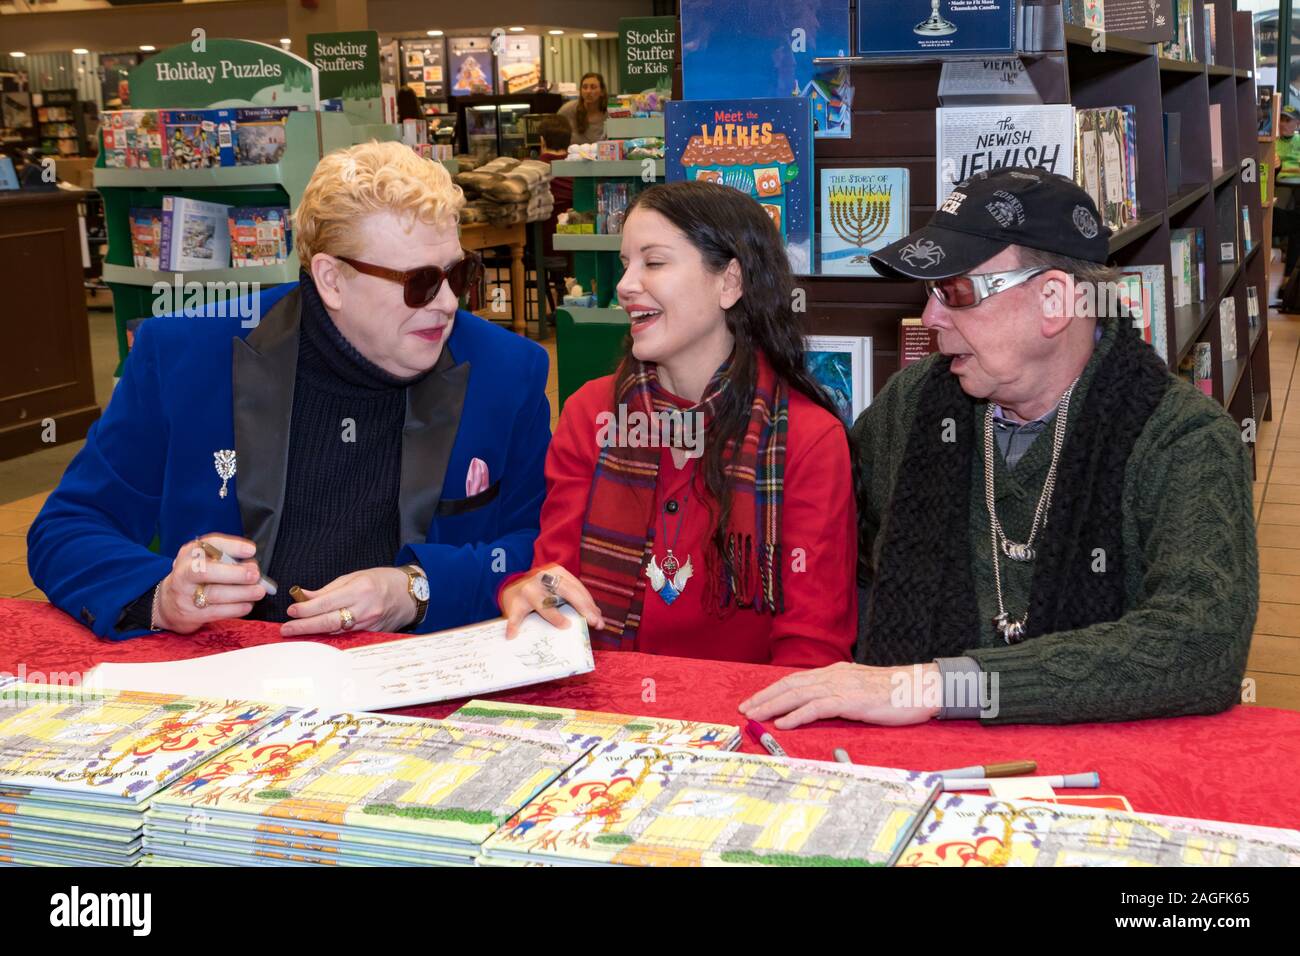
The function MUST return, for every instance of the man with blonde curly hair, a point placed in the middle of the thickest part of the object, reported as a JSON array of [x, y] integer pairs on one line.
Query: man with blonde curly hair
[[358, 454]]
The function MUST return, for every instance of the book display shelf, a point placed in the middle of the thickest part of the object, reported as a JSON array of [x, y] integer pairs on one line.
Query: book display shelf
[[894, 125], [309, 134]]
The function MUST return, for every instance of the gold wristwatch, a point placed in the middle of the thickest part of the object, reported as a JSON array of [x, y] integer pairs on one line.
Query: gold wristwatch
[[417, 585]]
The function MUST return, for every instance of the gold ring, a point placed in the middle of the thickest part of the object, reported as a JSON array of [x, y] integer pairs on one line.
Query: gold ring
[[346, 620], [550, 601], [200, 597]]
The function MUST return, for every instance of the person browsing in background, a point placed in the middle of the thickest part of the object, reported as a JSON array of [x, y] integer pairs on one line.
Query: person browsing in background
[[408, 105], [356, 443], [1286, 218], [719, 523], [586, 115], [555, 134], [1048, 516]]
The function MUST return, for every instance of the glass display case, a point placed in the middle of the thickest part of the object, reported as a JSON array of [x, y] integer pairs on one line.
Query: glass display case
[[492, 126]]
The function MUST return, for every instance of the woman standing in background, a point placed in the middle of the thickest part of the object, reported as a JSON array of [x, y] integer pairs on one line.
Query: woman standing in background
[[587, 113]]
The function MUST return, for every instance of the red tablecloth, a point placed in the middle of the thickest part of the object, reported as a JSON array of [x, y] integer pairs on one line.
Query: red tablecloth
[[1242, 766]]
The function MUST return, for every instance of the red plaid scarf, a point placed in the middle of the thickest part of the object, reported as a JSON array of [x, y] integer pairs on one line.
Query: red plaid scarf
[[618, 530]]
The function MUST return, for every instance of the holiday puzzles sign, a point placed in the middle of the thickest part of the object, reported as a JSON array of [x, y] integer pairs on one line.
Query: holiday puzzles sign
[[224, 73]]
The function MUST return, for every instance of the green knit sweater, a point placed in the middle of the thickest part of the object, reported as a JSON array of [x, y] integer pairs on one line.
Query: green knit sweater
[[1190, 561]]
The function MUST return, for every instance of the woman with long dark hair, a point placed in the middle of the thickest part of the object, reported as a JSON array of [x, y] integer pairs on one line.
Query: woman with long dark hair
[[699, 501], [587, 113]]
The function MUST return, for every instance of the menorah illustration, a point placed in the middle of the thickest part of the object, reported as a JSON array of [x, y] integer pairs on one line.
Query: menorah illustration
[[934, 25], [859, 215]]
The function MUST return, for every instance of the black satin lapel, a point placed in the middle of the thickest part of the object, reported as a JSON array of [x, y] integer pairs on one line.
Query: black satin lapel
[[265, 365], [433, 411]]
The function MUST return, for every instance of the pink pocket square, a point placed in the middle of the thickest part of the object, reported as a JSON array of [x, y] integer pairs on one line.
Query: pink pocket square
[[476, 479]]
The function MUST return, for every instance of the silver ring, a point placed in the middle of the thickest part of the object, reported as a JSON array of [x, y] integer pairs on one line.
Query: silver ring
[[550, 582]]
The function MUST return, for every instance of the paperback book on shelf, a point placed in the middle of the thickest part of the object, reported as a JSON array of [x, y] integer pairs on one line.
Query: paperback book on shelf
[[642, 805], [920, 27], [976, 139], [195, 235], [915, 341], [761, 147], [199, 139], [1228, 328], [259, 235], [862, 210], [841, 365], [1142, 302], [78, 768], [260, 135], [1187, 255], [1106, 162], [1197, 367], [146, 237]]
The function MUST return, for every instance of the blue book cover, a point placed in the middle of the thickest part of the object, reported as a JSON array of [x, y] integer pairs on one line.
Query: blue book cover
[[936, 27], [738, 48], [862, 210], [761, 147]]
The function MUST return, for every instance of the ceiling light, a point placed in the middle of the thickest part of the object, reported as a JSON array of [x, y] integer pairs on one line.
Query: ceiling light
[[591, 36], [516, 29], [80, 51], [556, 33], [435, 33], [146, 48], [17, 54]]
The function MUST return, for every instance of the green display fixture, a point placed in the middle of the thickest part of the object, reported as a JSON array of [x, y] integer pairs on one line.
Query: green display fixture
[[309, 135], [595, 257], [589, 343]]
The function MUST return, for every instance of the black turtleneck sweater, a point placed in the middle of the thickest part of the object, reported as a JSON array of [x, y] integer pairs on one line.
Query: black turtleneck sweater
[[340, 511]]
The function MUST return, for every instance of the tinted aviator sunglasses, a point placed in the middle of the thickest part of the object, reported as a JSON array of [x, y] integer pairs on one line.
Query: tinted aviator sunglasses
[[968, 291], [420, 286]]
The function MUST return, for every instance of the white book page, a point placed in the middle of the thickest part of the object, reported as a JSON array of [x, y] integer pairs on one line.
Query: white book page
[[462, 662], [295, 673], [468, 661]]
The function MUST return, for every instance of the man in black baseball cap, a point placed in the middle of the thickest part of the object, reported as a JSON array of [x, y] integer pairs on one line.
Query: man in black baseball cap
[[1053, 527]]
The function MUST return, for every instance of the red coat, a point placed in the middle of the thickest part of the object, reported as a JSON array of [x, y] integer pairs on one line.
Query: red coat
[[820, 621]]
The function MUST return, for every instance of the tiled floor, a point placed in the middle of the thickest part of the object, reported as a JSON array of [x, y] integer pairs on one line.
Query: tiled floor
[[1275, 652]]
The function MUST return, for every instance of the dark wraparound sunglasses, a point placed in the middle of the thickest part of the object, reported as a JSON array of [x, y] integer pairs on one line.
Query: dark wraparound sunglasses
[[420, 286]]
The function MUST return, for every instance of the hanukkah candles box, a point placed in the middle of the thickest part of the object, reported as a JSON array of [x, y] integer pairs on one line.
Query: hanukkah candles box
[[861, 211], [936, 27], [762, 147]]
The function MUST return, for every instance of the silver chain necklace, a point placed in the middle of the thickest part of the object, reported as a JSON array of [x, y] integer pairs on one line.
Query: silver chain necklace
[[1013, 629]]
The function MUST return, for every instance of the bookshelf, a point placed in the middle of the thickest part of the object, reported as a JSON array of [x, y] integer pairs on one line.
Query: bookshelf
[[894, 125]]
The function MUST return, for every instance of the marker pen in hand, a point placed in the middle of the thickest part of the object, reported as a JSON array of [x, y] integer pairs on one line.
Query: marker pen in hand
[[216, 554], [763, 737]]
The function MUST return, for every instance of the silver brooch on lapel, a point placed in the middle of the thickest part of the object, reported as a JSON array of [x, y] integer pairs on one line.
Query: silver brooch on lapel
[[225, 462]]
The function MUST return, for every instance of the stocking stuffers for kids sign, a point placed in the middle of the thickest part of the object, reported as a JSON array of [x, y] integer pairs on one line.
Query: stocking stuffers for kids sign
[[761, 147]]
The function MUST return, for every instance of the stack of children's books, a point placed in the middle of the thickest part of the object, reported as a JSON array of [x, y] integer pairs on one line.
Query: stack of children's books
[[79, 768], [333, 788], [639, 804]]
